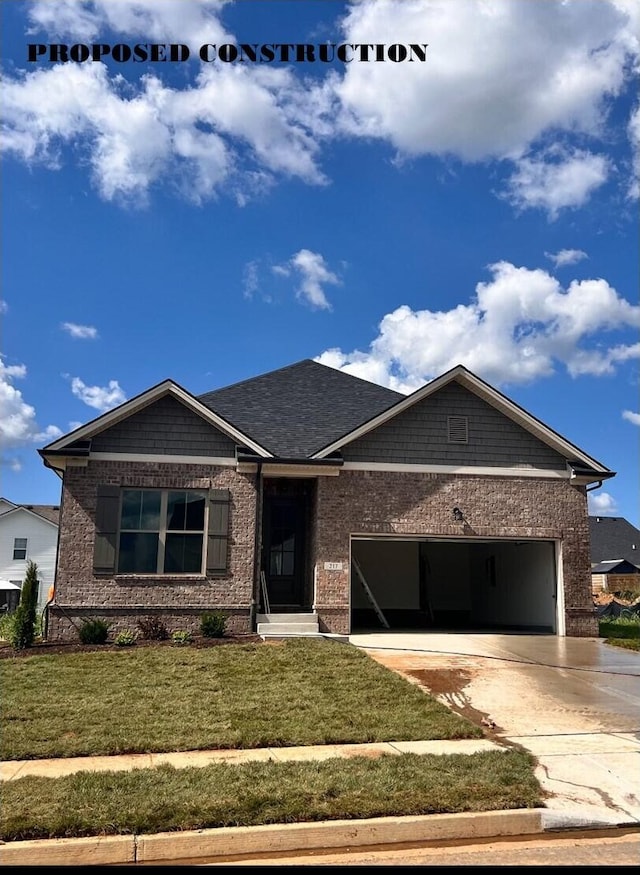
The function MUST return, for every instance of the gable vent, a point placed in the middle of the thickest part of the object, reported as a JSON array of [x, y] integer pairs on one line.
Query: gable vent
[[457, 429]]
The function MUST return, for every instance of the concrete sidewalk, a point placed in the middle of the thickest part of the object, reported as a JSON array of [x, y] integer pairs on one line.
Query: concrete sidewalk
[[56, 768]]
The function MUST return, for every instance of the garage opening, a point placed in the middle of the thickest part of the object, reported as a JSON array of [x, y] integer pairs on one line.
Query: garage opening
[[453, 585]]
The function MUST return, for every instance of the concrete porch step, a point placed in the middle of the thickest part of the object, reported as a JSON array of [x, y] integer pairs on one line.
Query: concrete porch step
[[288, 624]]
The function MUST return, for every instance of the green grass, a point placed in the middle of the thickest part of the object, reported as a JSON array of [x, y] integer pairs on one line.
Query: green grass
[[156, 699], [621, 627], [165, 799], [625, 643]]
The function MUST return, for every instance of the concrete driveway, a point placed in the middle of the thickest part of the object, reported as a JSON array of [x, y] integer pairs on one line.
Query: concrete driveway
[[572, 702]]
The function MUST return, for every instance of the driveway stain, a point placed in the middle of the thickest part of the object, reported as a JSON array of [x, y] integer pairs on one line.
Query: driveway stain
[[448, 685]]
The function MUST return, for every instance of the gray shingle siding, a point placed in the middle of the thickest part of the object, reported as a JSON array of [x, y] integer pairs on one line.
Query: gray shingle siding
[[419, 436], [165, 427]]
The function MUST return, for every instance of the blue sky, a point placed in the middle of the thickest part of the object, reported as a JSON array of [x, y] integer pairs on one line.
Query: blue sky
[[208, 221]]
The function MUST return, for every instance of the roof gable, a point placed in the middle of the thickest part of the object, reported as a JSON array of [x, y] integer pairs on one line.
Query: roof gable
[[45, 513], [134, 405], [454, 427], [295, 410], [492, 396]]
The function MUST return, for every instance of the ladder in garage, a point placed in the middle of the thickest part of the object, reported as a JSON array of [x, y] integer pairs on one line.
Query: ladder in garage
[[369, 594]]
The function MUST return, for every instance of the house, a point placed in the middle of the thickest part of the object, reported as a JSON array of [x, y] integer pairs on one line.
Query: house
[[313, 498], [27, 532], [615, 554]]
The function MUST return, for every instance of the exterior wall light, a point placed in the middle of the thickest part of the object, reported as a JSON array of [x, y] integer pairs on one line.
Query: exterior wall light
[[457, 514]]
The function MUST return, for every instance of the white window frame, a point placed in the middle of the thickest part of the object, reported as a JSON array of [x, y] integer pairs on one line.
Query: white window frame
[[16, 548], [163, 531]]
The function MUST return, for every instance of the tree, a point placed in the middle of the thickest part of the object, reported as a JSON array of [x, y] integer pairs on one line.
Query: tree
[[23, 631]]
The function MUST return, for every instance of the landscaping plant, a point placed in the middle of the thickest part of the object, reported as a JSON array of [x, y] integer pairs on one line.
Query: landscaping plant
[[22, 630], [94, 631], [212, 624], [153, 629]]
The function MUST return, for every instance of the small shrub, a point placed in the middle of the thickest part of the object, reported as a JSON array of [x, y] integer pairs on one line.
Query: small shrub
[[212, 624], [181, 637], [7, 622], [23, 629], [94, 631], [153, 629], [125, 638]]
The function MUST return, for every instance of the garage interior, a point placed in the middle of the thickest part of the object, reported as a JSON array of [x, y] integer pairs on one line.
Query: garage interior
[[452, 585]]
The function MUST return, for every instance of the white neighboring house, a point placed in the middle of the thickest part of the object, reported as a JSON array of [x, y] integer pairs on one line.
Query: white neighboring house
[[27, 531]]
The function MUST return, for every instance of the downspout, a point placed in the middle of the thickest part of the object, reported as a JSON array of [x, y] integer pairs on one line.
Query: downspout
[[51, 601], [255, 601]]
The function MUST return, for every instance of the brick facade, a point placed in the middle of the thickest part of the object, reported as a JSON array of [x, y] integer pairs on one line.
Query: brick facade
[[122, 599], [403, 503], [355, 502]]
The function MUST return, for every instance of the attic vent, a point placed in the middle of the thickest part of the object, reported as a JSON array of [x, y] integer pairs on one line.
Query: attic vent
[[457, 429]]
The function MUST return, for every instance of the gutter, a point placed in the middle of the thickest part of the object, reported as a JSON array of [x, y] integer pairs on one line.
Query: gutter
[[283, 460]]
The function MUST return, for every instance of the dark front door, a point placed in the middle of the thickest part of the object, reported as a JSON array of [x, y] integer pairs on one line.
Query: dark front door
[[284, 546]]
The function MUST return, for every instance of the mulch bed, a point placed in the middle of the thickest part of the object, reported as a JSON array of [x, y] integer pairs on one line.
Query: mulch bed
[[44, 648]]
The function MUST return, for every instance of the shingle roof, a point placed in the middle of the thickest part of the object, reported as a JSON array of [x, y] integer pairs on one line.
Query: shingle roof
[[613, 538], [50, 512], [298, 409], [615, 566]]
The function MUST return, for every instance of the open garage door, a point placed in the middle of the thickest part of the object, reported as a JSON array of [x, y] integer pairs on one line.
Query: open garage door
[[454, 585]]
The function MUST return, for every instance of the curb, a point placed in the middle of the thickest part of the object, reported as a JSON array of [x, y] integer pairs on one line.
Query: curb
[[199, 845]]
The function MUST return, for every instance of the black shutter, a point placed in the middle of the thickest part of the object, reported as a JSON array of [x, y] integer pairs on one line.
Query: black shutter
[[107, 524], [218, 535]]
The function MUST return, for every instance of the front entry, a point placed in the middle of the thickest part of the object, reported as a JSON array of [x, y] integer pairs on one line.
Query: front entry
[[284, 544]]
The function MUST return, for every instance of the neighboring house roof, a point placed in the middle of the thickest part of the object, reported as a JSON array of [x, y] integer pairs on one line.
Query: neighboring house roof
[[614, 538], [48, 512], [615, 566], [296, 410]]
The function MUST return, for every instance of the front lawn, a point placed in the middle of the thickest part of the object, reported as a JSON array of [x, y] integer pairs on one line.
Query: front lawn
[[156, 699], [165, 799]]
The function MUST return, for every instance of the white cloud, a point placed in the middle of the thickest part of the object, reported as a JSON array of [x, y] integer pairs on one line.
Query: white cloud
[[498, 74], [602, 503], [18, 425], [236, 128], [165, 22], [250, 279], [313, 274], [566, 256], [519, 326], [630, 416], [3, 306], [483, 93], [101, 398], [634, 137], [83, 332], [557, 180]]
